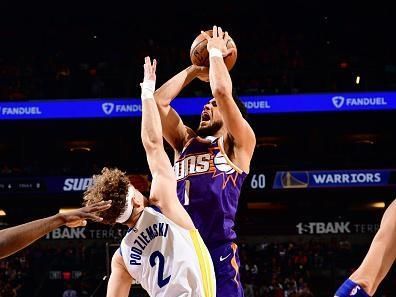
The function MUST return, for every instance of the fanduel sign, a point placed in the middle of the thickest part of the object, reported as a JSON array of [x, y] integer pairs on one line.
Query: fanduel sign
[[337, 178], [131, 107], [340, 101], [110, 107], [21, 110]]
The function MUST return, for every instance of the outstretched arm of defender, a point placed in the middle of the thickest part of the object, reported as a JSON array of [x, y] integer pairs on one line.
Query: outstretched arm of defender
[[163, 187], [16, 238], [221, 85]]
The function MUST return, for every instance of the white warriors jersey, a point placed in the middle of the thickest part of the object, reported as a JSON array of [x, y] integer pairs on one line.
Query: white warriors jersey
[[166, 259]]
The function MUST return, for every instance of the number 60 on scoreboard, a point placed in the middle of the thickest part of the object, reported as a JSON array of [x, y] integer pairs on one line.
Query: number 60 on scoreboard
[[257, 181]]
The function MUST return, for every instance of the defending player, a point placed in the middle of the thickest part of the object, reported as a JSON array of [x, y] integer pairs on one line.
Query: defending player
[[162, 251]]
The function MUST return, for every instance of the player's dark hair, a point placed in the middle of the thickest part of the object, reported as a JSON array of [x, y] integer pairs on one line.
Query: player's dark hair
[[111, 184]]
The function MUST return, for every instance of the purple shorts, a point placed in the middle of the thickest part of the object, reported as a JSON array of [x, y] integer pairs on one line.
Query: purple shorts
[[226, 264]]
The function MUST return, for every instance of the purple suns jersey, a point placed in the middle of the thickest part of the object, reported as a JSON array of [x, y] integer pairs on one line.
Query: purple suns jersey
[[208, 186]]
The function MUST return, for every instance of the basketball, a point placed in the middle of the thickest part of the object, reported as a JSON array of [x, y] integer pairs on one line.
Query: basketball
[[200, 56]]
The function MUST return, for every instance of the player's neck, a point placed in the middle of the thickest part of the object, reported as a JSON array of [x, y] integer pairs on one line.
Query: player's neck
[[137, 212], [222, 131]]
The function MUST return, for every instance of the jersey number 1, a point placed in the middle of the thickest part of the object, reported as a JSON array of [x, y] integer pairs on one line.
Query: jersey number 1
[[161, 262], [187, 192]]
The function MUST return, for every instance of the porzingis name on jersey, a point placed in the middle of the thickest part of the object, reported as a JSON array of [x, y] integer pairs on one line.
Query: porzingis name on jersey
[[144, 238]]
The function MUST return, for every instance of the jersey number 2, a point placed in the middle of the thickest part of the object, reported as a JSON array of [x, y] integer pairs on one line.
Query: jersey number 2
[[161, 262]]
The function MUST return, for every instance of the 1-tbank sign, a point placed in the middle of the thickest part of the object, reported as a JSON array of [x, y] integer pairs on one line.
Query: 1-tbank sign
[[326, 179], [342, 227]]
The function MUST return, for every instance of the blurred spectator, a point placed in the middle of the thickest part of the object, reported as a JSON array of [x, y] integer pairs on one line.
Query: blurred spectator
[[69, 291]]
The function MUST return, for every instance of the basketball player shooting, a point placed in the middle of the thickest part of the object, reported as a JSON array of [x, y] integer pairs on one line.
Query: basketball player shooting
[[162, 250], [365, 280], [213, 161]]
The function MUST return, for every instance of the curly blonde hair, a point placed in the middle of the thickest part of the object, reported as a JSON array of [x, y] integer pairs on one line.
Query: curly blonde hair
[[111, 184]]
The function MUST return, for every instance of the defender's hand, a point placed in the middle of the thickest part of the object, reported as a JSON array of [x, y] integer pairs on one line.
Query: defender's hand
[[79, 217], [148, 84]]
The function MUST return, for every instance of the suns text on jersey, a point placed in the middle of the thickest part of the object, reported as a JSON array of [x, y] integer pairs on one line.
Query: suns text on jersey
[[144, 238], [192, 164]]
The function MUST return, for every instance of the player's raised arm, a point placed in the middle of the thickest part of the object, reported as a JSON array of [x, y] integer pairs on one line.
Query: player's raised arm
[[379, 259], [174, 130], [163, 187], [120, 280], [221, 85]]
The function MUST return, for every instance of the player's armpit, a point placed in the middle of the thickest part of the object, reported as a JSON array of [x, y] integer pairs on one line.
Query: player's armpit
[[240, 152], [238, 128]]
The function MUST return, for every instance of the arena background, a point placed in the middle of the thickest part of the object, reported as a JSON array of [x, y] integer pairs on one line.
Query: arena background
[[298, 236]]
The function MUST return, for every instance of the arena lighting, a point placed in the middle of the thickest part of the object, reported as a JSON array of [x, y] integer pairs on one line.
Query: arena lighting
[[64, 209], [357, 81], [378, 205], [80, 146], [80, 149], [265, 205], [2, 213]]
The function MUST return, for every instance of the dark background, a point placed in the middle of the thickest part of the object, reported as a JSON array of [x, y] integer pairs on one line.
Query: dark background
[[94, 50]]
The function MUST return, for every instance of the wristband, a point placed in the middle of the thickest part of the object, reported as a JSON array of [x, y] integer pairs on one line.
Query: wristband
[[147, 95], [148, 88], [215, 52]]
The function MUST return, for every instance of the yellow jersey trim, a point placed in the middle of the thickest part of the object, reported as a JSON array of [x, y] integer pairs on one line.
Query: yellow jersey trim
[[205, 264]]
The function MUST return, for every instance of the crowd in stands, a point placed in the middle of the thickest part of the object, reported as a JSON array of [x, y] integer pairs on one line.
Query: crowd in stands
[[282, 67], [95, 57], [313, 267]]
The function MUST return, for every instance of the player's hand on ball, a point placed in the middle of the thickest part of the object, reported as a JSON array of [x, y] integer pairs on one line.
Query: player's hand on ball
[[202, 73], [219, 41]]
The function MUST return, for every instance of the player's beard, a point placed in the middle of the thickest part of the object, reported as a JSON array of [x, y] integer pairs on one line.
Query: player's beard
[[209, 130]]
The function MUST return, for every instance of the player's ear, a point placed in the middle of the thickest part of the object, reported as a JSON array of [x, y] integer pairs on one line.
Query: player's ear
[[138, 199]]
